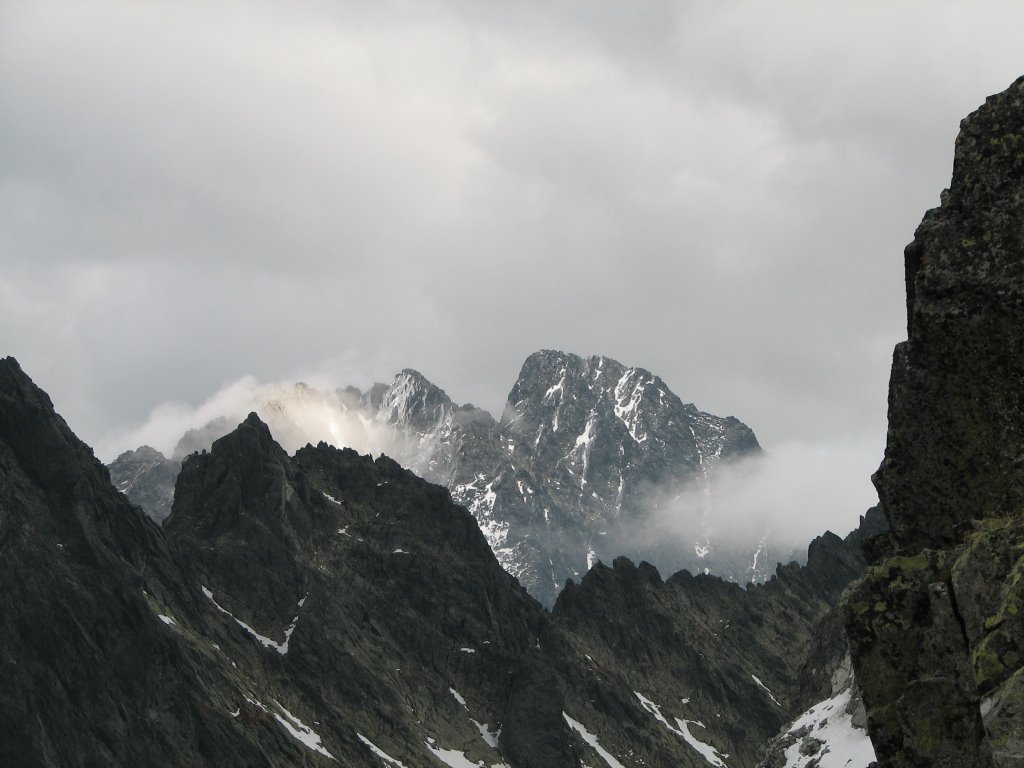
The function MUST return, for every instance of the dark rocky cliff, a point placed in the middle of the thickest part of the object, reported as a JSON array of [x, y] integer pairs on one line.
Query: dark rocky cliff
[[331, 608], [936, 627], [98, 666]]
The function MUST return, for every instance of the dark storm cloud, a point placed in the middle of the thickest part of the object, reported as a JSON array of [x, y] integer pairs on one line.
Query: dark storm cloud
[[192, 193]]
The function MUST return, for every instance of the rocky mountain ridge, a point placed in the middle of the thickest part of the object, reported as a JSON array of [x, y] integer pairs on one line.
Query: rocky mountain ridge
[[590, 459], [327, 607]]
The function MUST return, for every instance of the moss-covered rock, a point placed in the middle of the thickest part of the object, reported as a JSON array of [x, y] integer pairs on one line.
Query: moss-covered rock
[[913, 664]]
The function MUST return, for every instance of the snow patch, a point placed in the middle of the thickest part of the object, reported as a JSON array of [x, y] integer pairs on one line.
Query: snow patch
[[629, 391], [591, 739], [764, 688], [490, 737], [168, 620], [843, 745], [281, 648], [330, 498], [300, 731], [458, 697], [708, 752], [380, 752], [682, 730], [451, 757]]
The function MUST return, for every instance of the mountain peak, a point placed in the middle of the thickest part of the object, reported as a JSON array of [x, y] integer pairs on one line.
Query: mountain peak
[[414, 401], [38, 438], [253, 420], [254, 461], [251, 436]]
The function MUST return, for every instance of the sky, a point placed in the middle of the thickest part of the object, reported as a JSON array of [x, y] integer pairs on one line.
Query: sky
[[194, 195]]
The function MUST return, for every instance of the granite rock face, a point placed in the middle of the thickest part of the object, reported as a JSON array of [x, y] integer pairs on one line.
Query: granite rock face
[[935, 628]]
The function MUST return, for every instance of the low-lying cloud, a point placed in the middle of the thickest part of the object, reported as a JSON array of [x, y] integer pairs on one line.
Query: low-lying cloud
[[781, 500], [774, 503], [297, 415]]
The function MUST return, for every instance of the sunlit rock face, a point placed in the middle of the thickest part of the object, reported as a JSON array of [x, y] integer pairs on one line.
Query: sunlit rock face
[[936, 629]]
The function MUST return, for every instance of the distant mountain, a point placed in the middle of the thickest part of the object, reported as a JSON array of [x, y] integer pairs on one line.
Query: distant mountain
[[327, 608], [585, 453], [590, 460], [147, 478]]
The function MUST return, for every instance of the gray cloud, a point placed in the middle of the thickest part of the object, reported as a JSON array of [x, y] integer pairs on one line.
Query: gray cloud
[[781, 499], [720, 193]]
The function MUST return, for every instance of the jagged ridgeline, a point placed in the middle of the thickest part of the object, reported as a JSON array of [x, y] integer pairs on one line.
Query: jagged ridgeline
[[327, 608], [589, 460]]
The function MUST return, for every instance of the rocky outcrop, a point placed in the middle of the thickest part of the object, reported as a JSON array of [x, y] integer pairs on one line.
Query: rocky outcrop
[[935, 630]]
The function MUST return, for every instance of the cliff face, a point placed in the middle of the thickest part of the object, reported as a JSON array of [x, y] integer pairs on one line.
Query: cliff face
[[935, 628]]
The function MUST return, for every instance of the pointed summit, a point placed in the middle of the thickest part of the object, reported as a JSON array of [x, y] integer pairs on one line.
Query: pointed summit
[[37, 438], [415, 402]]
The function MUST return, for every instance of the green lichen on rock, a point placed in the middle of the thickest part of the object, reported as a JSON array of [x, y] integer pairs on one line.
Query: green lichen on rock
[[903, 627], [936, 633], [988, 577], [1003, 713]]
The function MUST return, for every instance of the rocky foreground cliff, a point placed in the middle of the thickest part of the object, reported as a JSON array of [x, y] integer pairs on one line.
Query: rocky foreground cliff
[[936, 628]]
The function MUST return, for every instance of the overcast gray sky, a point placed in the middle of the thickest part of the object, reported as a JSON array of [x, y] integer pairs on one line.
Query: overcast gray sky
[[192, 193]]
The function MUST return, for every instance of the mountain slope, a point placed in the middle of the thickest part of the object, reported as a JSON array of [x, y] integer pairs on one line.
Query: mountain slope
[[95, 671], [328, 607]]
